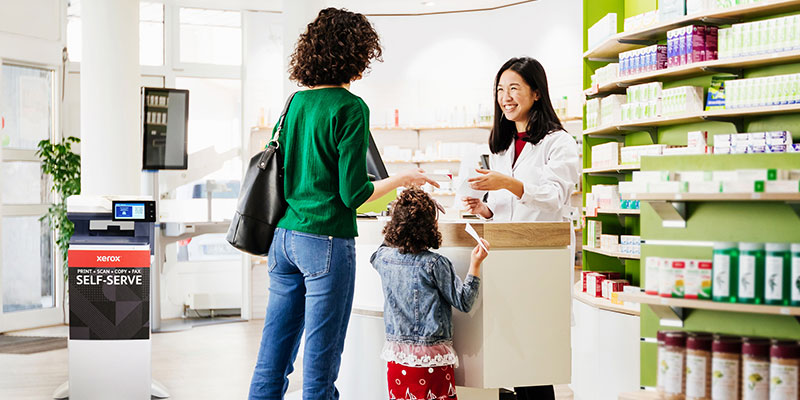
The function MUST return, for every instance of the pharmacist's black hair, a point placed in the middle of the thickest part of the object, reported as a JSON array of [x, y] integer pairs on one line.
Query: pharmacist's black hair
[[542, 119]]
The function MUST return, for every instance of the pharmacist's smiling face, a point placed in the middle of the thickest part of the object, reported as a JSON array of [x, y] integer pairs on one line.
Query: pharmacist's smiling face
[[514, 96]]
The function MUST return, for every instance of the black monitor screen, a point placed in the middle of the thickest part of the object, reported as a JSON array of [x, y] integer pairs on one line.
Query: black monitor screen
[[375, 167], [165, 118]]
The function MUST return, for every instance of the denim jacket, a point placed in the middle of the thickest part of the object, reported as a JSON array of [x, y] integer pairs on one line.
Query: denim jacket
[[419, 290]]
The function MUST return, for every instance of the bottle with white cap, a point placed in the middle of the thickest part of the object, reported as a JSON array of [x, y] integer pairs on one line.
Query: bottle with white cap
[[777, 270]]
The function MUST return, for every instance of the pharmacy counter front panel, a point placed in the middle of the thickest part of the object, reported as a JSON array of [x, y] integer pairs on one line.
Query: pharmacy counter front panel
[[518, 332]]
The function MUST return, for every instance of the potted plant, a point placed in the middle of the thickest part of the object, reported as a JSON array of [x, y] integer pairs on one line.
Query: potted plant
[[64, 167]]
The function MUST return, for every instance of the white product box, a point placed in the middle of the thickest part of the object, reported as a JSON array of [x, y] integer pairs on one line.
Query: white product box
[[632, 155], [607, 196], [782, 186], [633, 187], [668, 187], [605, 155], [665, 277], [705, 187], [761, 174], [651, 273], [611, 109], [723, 176], [696, 139], [738, 187], [609, 242], [694, 176], [653, 176], [723, 140], [603, 29]]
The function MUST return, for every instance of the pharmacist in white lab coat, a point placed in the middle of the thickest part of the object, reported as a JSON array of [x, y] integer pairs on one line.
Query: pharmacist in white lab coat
[[534, 162]]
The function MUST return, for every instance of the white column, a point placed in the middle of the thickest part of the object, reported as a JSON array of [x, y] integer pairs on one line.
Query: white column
[[296, 16], [111, 148]]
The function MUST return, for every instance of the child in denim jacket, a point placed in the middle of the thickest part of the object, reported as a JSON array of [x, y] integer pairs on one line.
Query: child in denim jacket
[[419, 288]]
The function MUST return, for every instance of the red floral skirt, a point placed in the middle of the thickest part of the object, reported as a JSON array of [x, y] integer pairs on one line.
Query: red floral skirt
[[421, 383]]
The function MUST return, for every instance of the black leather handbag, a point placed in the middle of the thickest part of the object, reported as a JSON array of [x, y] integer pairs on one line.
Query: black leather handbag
[[261, 200]]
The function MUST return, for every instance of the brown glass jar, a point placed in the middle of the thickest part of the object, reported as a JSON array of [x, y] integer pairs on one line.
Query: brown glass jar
[[784, 370], [698, 366], [674, 365], [755, 369], [726, 354]]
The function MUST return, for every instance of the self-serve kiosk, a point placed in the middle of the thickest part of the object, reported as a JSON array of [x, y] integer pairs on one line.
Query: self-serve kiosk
[[109, 262]]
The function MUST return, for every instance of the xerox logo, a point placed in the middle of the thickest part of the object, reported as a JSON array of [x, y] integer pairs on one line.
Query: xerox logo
[[108, 258]]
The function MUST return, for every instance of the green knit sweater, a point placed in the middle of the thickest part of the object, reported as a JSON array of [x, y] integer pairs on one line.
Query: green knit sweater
[[325, 139]]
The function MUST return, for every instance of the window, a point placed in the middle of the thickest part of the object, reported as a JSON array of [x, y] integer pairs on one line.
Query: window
[[151, 32], [26, 104], [210, 36]]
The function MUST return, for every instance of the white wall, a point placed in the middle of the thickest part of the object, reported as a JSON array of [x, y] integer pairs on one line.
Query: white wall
[[31, 31], [438, 65]]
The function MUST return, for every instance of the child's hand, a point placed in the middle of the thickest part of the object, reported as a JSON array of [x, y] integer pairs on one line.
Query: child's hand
[[478, 253]]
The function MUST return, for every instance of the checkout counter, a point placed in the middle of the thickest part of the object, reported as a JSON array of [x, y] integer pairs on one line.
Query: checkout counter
[[518, 332]]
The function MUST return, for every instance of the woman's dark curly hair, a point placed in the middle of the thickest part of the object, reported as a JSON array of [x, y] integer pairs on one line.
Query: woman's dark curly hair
[[336, 48], [413, 227]]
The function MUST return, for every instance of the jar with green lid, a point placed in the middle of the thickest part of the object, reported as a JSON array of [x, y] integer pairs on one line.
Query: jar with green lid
[[751, 273], [698, 366], [725, 363], [674, 365], [755, 369], [784, 370], [777, 270], [725, 267], [794, 283]]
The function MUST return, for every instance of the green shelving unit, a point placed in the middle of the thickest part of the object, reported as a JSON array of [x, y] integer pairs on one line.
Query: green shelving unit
[[737, 218]]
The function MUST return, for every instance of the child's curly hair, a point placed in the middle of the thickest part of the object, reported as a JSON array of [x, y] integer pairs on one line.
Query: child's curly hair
[[336, 48], [413, 227]]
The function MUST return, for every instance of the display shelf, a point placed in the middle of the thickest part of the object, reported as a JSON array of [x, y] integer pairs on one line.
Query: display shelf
[[700, 68], [612, 253], [422, 161], [617, 211], [618, 168], [611, 47], [652, 300], [644, 124], [640, 395], [712, 196], [599, 302], [428, 128]]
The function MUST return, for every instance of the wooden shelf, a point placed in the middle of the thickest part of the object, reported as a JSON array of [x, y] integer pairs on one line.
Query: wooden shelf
[[599, 302], [617, 168], [623, 129], [701, 68], [612, 253], [617, 211], [643, 298], [611, 47], [640, 395], [430, 128], [712, 196], [421, 161]]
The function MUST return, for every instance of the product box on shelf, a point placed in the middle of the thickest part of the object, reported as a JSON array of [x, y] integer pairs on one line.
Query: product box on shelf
[[610, 286], [593, 231], [610, 109], [609, 243], [651, 275], [631, 155], [669, 10], [603, 29], [628, 187], [594, 281], [607, 196], [698, 6], [698, 279], [668, 187], [697, 139], [782, 186], [682, 100], [653, 176], [605, 155]]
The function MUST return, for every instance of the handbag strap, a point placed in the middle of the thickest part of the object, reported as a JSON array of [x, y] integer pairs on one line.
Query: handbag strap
[[277, 134]]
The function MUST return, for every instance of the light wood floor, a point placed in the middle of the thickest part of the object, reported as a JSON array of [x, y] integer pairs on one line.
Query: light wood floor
[[209, 362]]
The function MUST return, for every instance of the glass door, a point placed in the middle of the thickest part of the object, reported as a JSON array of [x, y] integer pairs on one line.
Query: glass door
[[30, 285]]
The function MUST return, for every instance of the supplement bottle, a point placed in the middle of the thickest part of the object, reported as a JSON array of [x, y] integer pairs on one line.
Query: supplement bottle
[[751, 273], [725, 269], [674, 366], [784, 370], [725, 367], [698, 366], [777, 270], [755, 369]]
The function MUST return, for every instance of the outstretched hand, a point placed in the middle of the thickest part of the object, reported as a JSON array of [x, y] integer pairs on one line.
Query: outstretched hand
[[488, 180]]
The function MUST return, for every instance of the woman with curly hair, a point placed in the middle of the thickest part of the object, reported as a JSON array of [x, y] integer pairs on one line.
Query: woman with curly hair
[[419, 289], [311, 261]]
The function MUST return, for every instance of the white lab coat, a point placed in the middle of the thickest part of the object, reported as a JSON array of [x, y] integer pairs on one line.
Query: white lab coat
[[549, 172]]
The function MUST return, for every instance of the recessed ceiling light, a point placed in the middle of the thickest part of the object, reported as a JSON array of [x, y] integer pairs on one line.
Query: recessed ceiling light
[[428, 3]]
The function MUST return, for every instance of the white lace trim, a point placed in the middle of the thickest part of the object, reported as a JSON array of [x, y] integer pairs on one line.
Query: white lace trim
[[417, 355]]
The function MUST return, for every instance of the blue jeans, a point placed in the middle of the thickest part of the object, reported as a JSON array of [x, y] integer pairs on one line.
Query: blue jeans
[[311, 286]]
